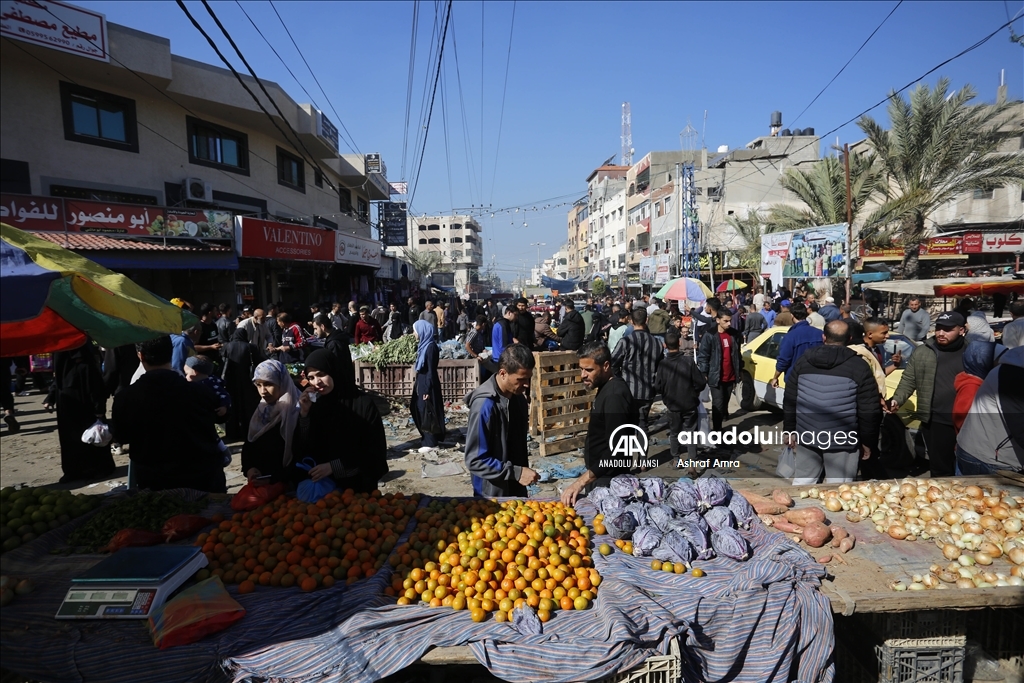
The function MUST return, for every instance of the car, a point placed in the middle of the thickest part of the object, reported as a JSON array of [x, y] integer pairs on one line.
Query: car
[[899, 432]]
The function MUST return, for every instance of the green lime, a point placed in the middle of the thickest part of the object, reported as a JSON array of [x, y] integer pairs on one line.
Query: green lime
[[11, 543], [46, 507], [16, 523], [40, 527], [38, 516]]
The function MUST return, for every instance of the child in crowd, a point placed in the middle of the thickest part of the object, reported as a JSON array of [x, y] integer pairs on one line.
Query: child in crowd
[[199, 369]]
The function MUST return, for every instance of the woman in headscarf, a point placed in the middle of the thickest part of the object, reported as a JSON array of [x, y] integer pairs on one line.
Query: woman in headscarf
[[339, 427], [240, 360], [979, 358], [268, 450], [427, 400], [80, 397]]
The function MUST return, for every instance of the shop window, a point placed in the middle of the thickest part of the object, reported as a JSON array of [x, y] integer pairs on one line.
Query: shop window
[[291, 171], [217, 147], [98, 118]]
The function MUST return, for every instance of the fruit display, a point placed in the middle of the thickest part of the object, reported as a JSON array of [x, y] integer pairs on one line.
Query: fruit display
[[27, 513], [345, 537], [676, 524], [11, 587], [492, 558], [144, 512], [977, 529]]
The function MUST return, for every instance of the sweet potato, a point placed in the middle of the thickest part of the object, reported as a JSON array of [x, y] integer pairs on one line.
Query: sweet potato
[[846, 545], [782, 498], [838, 534], [816, 534], [762, 505], [782, 524], [804, 516], [825, 559]]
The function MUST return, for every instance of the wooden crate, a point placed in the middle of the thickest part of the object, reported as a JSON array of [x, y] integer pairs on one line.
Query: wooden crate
[[559, 402], [458, 378]]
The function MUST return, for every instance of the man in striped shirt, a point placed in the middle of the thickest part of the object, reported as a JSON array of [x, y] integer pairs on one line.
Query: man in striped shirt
[[636, 359]]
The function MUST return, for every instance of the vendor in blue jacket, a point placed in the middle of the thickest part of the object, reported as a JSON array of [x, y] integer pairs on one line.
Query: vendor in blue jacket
[[801, 336], [496, 452]]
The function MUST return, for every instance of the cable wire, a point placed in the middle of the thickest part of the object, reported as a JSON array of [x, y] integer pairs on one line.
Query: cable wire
[[504, 91], [430, 112], [408, 87]]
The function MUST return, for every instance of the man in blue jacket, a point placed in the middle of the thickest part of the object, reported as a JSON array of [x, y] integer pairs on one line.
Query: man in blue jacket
[[801, 336], [497, 455]]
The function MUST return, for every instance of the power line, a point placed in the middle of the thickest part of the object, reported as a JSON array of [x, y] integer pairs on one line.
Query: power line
[[315, 79], [435, 32], [504, 91], [839, 73], [471, 166], [430, 112], [408, 87]]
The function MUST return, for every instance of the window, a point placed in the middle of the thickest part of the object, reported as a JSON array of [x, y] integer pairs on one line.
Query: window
[[423, 240], [423, 226], [434, 226], [213, 145], [632, 245], [362, 208], [657, 210], [71, 192], [770, 348], [434, 240], [291, 171], [345, 201], [982, 194], [657, 247], [456, 226], [318, 178], [668, 245], [643, 240], [98, 118], [622, 236], [456, 239], [668, 204], [714, 193]]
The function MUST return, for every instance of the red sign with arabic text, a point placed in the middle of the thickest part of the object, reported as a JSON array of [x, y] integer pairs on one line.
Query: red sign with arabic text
[[993, 242], [32, 213], [123, 219], [272, 240]]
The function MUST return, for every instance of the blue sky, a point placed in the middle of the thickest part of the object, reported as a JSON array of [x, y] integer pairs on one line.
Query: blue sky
[[572, 65]]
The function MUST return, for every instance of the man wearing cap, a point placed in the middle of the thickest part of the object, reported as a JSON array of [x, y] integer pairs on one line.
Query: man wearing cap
[[931, 372], [785, 316]]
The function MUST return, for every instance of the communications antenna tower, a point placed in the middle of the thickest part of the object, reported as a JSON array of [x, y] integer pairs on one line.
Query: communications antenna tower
[[689, 237], [627, 135]]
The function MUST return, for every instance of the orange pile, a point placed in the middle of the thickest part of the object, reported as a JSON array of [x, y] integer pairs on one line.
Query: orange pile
[[344, 537], [492, 558]]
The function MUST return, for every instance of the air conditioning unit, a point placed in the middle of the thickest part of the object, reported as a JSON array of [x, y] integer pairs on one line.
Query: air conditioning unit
[[197, 190]]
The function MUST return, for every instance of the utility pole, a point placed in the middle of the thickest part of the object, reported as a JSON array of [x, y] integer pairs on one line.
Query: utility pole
[[849, 224]]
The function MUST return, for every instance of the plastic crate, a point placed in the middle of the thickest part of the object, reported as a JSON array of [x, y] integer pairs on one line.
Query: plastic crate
[[922, 660], [657, 669]]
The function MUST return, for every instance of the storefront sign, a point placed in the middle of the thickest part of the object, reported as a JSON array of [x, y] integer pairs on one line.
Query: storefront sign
[[817, 252], [774, 249], [394, 222], [32, 213], [255, 238], [55, 25], [647, 270], [121, 219], [325, 130], [662, 266], [941, 248], [357, 251], [882, 254], [199, 223], [993, 242], [632, 279]]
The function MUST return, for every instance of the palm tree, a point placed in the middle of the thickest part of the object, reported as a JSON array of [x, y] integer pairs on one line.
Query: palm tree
[[822, 189], [425, 262], [939, 145]]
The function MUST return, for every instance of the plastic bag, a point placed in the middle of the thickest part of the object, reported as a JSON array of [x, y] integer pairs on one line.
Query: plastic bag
[[786, 469], [309, 491], [97, 435], [183, 526], [252, 496], [203, 609], [132, 538], [526, 621]]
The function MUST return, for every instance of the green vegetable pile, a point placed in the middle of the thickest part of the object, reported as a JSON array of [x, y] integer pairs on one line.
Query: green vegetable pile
[[29, 512], [401, 351], [146, 511]]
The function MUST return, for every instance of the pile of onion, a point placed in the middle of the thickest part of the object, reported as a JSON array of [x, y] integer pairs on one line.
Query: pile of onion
[[975, 528]]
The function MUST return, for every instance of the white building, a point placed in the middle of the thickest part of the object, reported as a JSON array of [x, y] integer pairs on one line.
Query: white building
[[455, 239]]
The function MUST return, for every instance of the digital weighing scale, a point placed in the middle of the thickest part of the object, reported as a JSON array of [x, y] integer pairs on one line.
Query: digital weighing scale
[[131, 583]]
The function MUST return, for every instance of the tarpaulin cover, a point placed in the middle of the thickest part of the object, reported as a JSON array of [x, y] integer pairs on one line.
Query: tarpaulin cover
[[759, 621]]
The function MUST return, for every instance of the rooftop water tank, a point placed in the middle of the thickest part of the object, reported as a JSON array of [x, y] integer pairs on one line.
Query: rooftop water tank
[[722, 149], [776, 119]]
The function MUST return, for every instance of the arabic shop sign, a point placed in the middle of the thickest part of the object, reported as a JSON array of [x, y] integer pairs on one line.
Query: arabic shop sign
[[357, 251], [941, 248], [993, 242], [255, 238], [394, 219], [200, 223], [32, 213], [881, 253], [121, 219], [62, 27]]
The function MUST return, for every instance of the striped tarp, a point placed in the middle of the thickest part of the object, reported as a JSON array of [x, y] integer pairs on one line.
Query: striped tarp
[[760, 621]]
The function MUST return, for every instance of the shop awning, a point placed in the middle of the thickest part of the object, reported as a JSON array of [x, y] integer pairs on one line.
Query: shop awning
[[930, 287], [126, 254]]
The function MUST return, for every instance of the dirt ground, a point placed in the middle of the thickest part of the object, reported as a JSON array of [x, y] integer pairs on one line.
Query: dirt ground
[[32, 457]]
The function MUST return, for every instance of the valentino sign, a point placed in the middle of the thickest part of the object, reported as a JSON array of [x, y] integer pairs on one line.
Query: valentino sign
[[257, 238]]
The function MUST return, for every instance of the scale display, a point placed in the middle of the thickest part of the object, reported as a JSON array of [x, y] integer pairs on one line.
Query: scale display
[[125, 603]]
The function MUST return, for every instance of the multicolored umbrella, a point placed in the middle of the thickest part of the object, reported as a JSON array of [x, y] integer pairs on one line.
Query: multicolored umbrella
[[688, 288], [731, 286], [52, 299]]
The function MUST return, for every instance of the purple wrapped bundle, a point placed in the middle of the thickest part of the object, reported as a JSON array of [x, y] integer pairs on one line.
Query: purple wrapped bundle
[[654, 489], [697, 537], [621, 525], [639, 511], [675, 548], [682, 497], [696, 520], [611, 505], [626, 487], [729, 543], [720, 517], [645, 540], [601, 493], [742, 511], [660, 515], [712, 491]]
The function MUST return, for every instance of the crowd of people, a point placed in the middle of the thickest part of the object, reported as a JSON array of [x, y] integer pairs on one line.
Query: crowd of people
[[171, 393]]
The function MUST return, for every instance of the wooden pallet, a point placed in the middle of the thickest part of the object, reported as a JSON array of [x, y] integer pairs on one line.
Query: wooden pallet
[[559, 402]]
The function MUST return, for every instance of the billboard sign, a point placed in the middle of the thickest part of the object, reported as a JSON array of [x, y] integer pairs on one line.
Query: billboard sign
[[55, 25], [662, 266], [774, 249], [647, 270], [325, 130], [394, 222]]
